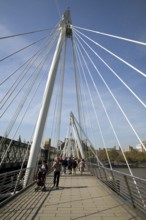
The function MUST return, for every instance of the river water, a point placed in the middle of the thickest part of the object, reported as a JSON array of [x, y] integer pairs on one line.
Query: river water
[[138, 172]]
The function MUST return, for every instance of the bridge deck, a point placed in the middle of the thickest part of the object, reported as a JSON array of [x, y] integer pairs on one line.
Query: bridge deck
[[79, 197]]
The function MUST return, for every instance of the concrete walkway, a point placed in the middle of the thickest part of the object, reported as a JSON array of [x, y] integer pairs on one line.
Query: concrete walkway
[[78, 198], [84, 198]]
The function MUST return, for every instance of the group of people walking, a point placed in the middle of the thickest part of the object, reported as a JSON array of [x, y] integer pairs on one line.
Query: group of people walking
[[71, 164], [65, 165]]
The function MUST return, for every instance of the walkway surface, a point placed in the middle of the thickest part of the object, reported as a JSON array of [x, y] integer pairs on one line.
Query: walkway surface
[[78, 198]]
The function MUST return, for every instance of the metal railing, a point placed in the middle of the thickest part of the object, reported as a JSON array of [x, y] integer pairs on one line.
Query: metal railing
[[130, 188], [12, 183]]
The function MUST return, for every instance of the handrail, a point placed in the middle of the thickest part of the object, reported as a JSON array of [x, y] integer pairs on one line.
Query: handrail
[[11, 183], [130, 188]]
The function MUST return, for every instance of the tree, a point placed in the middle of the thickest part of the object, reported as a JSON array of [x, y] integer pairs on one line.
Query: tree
[[113, 154]]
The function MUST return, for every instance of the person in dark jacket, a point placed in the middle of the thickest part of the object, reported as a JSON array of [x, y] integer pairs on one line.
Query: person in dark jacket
[[64, 165], [41, 173], [57, 169], [74, 166], [69, 165]]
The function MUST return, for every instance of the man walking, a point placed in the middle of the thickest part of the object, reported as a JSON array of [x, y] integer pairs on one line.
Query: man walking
[[57, 169]]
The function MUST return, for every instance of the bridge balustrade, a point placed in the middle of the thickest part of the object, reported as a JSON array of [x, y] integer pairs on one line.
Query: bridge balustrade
[[12, 183], [131, 188]]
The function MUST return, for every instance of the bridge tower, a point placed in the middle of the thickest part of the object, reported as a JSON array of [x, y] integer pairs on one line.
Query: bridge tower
[[65, 29]]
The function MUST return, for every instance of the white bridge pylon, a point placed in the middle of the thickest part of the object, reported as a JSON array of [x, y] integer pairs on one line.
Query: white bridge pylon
[[73, 147], [65, 31]]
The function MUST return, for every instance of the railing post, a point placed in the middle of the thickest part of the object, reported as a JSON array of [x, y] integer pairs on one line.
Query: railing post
[[115, 183], [129, 190], [105, 174]]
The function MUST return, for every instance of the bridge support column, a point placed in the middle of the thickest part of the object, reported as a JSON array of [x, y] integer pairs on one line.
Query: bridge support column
[[37, 139]]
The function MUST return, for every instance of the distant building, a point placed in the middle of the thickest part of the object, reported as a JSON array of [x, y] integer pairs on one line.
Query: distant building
[[128, 149], [60, 145], [140, 147], [49, 151], [117, 148]]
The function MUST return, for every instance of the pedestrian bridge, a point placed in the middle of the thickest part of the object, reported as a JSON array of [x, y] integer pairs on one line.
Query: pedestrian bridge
[[80, 197], [109, 108]]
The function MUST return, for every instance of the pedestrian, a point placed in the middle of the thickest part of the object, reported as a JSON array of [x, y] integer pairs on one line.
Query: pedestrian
[[64, 165], [57, 169], [41, 173], [74, 165], [81, 166], [69, 165]]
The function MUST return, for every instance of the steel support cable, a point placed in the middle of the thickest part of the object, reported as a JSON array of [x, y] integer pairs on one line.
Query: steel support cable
[[90, 142], [61, 91], [113, 54], [64, 150], [78, 91], [22, 118], [122, 81], [80, 64], [82, 93], [79, 103], [96, 116], [21, 168], [113, 36], [103, 103], [87, 85], [58, 101], [23, 48], [54, 123], [54, 115], [82, 116], [69, 149], [32, 59], [76, 147], [21, 77], [82, 86], [124, 114], [18, 92], [84, 96], [26, 33], [16, 95], [76, 82], [105, 108], [89, 121], [17, 112], [20, 66], [17, 81], [56, 118], [25, 96]]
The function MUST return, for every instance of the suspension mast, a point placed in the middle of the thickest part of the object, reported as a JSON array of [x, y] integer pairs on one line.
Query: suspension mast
[[65, 31]]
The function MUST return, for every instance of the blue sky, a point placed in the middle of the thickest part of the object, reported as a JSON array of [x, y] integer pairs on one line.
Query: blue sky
[[125, 18]]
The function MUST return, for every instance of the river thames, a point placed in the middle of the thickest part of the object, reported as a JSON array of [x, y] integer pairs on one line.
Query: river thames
[[138, 172]]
